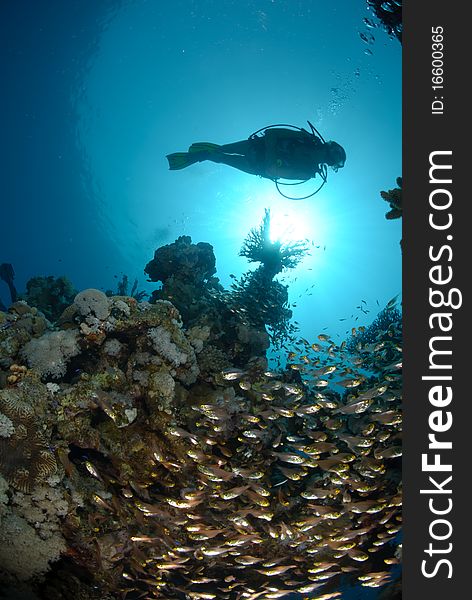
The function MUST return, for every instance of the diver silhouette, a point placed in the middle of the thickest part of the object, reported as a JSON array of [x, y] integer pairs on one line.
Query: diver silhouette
[[274, 152], [7, 274]]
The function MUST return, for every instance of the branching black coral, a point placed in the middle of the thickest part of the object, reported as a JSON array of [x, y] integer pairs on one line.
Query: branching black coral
[[264, 301], [275, 256], [123, 289]]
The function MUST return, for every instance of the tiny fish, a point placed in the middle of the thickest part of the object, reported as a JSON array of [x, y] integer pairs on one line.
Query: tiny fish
[[276, 570], [247, 560], [215, 473], [92, 470], [349, 383], [307, 410], [288, 457], [177, 503], [392, 452], [293, 474], [391, 303], [232, 374], [390, 417], [233, 492], [355, 407]]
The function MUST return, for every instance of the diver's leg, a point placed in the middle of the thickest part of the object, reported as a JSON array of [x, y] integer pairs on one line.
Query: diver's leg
[[242, 147], [234, 160]]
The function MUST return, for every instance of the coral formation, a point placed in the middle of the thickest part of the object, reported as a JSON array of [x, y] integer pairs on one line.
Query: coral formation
[[17, 327], [6, 426], [25, 458], [50, 353], [186, 271], [273, 255], [92, 303], [261, 300], [211, 315], [51, 295], [194, 263], [23, 554], [394, 198]]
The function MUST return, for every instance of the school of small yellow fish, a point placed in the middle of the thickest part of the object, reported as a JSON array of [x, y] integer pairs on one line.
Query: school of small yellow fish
[[281, 487]]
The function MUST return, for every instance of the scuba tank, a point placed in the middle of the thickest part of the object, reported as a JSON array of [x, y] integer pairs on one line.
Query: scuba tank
[[323, 172]]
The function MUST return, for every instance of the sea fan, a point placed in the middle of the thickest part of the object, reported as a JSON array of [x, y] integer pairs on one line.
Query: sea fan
[[275, 256]]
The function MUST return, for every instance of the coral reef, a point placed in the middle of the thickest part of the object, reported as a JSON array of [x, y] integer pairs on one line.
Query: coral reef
[[148, 465], [394, 198], [212, 315], [6, 426], [50, 353], [51, 295], [25, 458], [186, 271], [262, 302], [193, 263], [146, 453], [17, 327], [92, 303], [23, 554], [30, 532]]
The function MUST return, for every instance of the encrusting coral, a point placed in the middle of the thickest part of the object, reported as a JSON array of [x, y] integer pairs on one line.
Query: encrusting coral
[[50, 353], [25, 458]]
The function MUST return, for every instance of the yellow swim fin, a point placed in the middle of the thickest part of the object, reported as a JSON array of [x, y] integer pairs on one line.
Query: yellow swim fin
[[180, 160]]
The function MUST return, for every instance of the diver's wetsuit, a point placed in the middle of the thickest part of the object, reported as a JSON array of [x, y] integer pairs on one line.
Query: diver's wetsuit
[[279, 153]]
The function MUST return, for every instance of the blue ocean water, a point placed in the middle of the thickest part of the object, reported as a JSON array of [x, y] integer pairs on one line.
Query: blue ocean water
[[97, 93]]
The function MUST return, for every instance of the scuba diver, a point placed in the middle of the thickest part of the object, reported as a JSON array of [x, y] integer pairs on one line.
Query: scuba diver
[[274, 152], [7, 274]]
